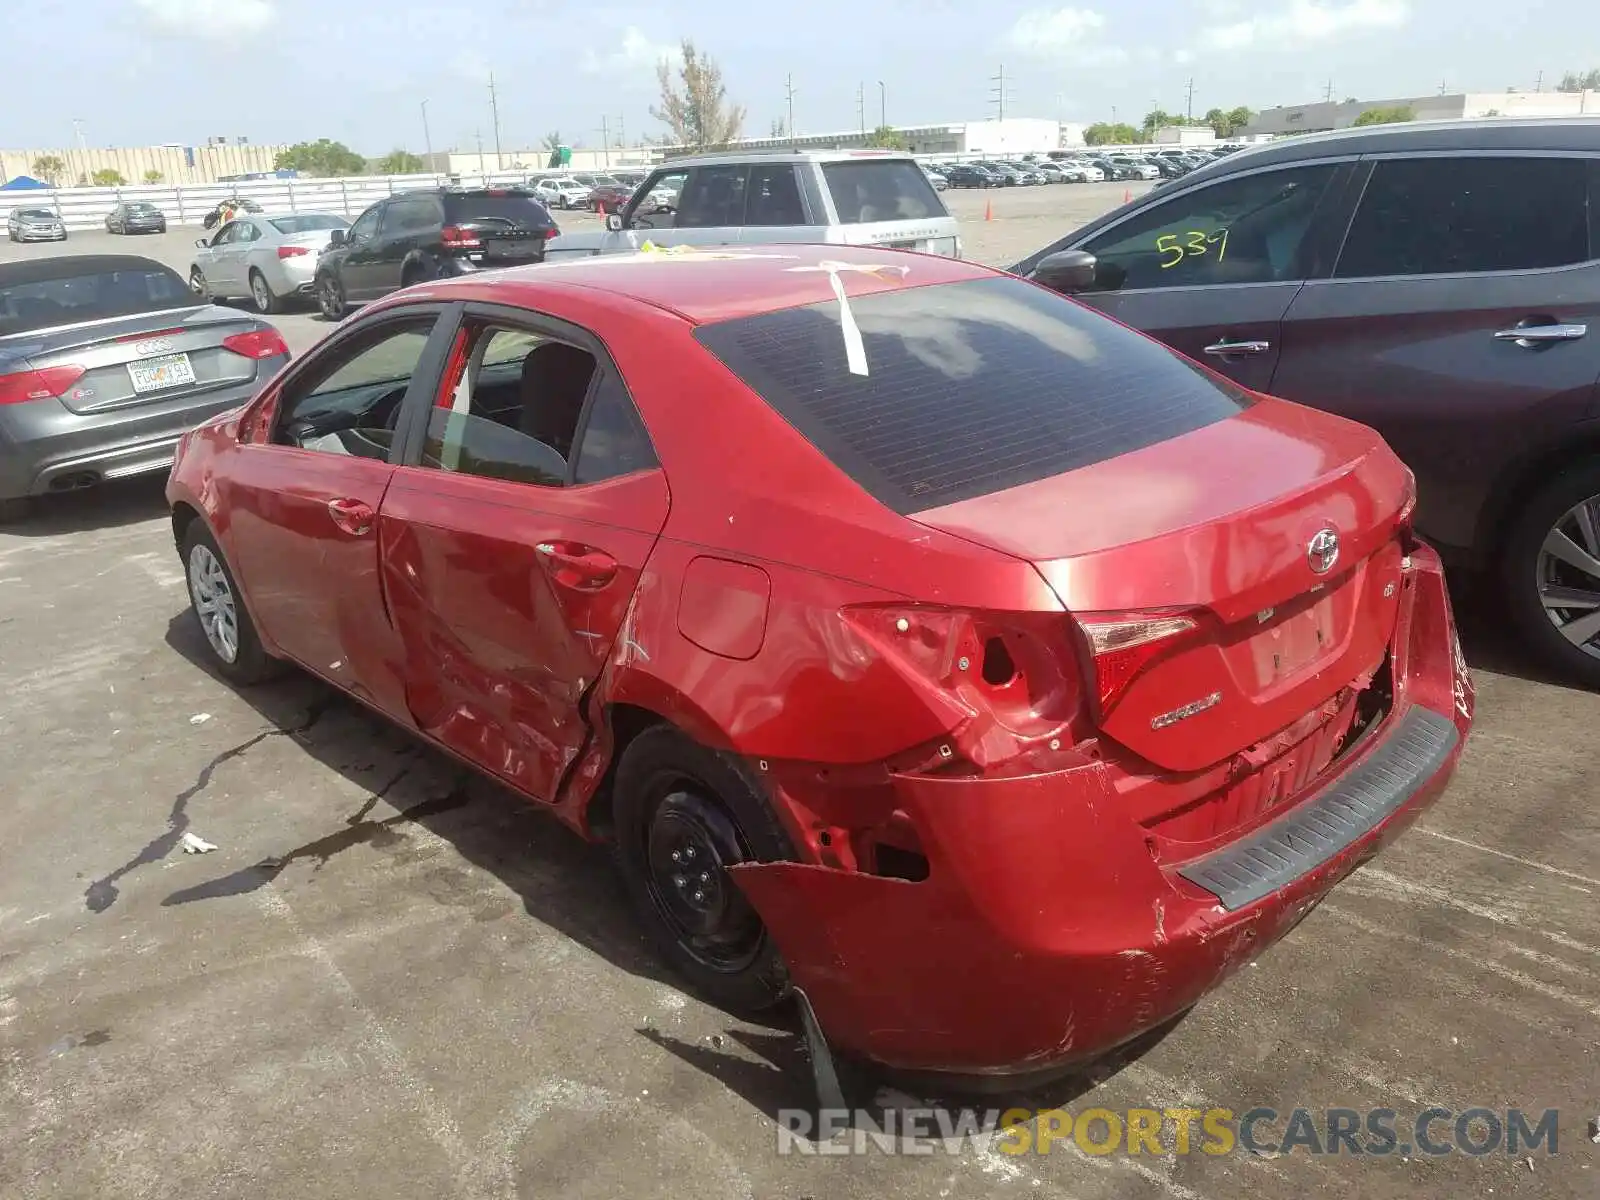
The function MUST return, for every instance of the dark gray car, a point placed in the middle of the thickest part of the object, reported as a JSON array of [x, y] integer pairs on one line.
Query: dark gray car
[[1439, 282], [105, 361]]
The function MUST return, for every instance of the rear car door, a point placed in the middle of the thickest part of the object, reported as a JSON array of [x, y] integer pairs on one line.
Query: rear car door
[[304, 496], [774, 206], [513, 538], [359, 269], [411, 224], [1462, 319], [887, 202], [1212, 270]]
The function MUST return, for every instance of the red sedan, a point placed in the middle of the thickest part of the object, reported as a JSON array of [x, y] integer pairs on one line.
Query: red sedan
[[925, 641]]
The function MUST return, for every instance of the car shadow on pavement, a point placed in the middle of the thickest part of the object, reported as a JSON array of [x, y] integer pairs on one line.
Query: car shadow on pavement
[[108, 506], [1487, 634]]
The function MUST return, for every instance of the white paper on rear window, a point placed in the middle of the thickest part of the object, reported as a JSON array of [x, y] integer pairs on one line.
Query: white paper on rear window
[[971, 388]]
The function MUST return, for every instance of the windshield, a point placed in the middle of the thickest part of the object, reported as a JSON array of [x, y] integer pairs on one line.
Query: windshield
[[37, 214], [963, 389], [865, 191], [40, 300], [309, 223]]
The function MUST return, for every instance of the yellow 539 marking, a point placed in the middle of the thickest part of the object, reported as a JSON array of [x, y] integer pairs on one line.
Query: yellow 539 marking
[[1175, 247]]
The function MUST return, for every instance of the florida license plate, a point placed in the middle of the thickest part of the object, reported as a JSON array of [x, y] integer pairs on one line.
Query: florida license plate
[[157, 374]]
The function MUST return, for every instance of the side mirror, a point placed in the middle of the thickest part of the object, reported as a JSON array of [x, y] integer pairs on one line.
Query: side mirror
[[337, 237], [614, 222], [1066, 271]]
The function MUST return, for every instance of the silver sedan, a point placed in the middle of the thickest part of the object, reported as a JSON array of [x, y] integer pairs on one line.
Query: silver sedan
[[264, 259]]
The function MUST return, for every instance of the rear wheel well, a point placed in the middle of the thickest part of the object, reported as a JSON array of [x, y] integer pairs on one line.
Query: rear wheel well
[[627, 722], [1528, 479], [183, 515]]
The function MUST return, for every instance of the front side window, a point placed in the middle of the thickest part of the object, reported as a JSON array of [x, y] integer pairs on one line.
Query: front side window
[[366, 224], [349, 402], [1445, 216], [1249, 229]]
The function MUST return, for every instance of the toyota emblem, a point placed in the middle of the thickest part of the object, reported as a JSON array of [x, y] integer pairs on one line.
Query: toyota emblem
[[1323, 551]]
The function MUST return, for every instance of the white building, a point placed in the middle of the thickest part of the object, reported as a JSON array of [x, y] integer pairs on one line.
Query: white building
[[1184, 135], [1306, 118]]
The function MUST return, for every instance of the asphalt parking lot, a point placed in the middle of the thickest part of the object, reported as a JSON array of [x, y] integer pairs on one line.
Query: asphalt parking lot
[[393, 979]]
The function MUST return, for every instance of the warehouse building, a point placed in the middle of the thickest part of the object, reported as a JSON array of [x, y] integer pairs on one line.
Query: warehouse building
[[1314, 118]]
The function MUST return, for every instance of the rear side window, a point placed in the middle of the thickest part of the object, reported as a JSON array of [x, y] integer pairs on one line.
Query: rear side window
[[970, 388], [1440, 216], [867, 190], [713, 198], [70, 294], [519, 208], [411, 215]]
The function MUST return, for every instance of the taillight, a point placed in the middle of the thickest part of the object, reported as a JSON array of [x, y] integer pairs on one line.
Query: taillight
[[293, 251], [1124, 644], [258, 343], [552, 232], [456, 238], [1007, 682], [45, 384]]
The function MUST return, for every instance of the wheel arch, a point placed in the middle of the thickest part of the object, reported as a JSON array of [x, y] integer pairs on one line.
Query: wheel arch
[[1524, 479]]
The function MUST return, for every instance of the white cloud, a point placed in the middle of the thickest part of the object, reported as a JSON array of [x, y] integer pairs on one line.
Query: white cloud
[[634, 53], [209, 20], [1052, 30], [1304, 22]]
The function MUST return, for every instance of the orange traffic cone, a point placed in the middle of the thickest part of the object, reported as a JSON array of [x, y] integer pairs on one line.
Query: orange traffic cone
[[600, 207], [1127, 194], [988, 210]]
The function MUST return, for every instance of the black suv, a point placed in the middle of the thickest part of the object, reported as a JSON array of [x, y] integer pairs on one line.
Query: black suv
[[430, 234], [1439, 282]]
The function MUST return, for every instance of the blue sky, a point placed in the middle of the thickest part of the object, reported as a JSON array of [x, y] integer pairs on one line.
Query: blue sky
[[147, 71]]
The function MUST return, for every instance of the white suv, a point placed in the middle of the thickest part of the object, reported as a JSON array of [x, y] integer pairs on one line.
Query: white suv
[[862, 198], [562, 193]]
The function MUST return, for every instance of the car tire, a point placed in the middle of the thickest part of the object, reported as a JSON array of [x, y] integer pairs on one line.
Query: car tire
[[331, 301], [198, 284], [233, 648], [675, 797], [262, 295], [1527, 568]]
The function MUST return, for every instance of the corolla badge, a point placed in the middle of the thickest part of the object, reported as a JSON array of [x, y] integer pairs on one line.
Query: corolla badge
[[1323, 551], [152, 346]]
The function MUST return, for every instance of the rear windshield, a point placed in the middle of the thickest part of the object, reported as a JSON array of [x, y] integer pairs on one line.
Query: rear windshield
[[309, 223], [885, 190], [970, 388], [516, 207], [141, 208], [69, 298]]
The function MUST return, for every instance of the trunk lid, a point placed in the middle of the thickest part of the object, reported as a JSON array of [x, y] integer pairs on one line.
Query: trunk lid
[[159, 350], [1222, 526]]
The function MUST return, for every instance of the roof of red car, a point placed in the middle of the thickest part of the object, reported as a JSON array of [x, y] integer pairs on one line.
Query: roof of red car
[[723, 282]]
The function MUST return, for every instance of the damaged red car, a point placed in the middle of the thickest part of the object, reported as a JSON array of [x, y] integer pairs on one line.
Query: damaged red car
[[926, 642]]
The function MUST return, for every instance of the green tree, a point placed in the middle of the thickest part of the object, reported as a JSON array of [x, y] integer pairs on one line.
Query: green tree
[[49, 168], [322, 158], [778, 128], [1574, 81], [107, 177], [696, 108], [1226, 123], [552, 139], [1103, 133], [886, 138], [153, 176], [400, 162], [1386, 116]]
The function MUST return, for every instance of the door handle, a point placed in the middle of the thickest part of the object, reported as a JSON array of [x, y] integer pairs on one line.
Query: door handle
[[352, 516], [1540, 335], [579, 567], [1224, 349]]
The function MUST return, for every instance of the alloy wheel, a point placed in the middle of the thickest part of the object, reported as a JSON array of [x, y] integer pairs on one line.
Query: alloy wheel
[[261, 293], [1568, 575], [330, 299], [690, 844], [214, 602], [197, 284]]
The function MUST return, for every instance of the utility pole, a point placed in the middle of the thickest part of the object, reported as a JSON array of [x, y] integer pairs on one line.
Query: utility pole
[[883, 105], [861, 105], [1441, 87], [494, 108], [1327, 97], [482, 168], [1538, 84], [622, 137], [427, 138], [788, 85], [605, 138], [998, 91], [1189, 108]]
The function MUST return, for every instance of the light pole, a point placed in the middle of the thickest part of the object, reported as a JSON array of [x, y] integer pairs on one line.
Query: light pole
[[883, 105], [427, 138]]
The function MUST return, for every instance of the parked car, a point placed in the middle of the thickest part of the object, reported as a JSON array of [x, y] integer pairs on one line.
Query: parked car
[[966, 175], [1004, 176], [563, 193], [610, 196], [1437, 281], [1138, 168], [136, 216], [1082, 171], [228, 209], [850, 197], [35, 225], [998, 700], [267, 260], [105, 359], [937, 178], [434, 233], [1053, 172]]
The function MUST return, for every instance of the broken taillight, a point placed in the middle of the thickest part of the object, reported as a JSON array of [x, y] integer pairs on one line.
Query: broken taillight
[[1122, 645], [1006, 681], [1404, 529]]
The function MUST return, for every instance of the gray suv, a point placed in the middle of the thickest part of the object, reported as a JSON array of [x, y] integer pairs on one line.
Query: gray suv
[[851, 197], [1439, 282]]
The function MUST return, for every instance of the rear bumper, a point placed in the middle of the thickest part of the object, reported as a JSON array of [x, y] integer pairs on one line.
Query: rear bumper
[[1048, 932], [45, 447]]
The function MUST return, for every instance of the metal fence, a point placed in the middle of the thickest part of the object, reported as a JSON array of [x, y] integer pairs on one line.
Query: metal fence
[[87, 207]]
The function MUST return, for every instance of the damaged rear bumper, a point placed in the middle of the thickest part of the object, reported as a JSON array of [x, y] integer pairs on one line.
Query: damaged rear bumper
[[1048, 932]]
